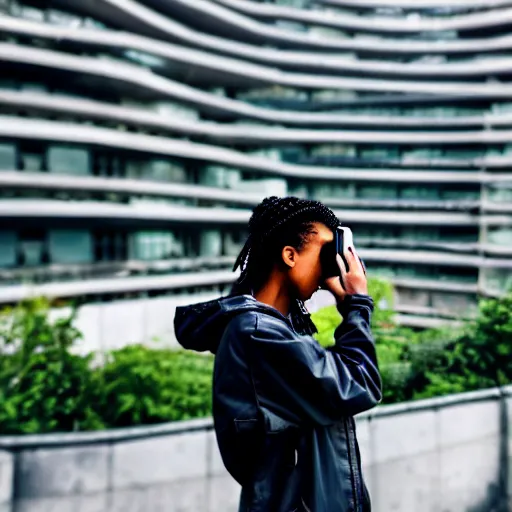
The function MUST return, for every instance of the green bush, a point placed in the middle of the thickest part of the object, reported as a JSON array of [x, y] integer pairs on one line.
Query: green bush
[[45, 387], [327, 319], [417, 364], [479, 357], [146, 386]]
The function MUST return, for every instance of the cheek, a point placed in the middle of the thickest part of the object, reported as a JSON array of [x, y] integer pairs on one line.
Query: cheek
[[307, 273]]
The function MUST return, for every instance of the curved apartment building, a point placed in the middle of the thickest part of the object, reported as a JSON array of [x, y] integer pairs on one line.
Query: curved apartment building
[[136, 136]]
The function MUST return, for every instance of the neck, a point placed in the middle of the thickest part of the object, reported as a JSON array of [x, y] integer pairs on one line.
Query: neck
[[274, 293]]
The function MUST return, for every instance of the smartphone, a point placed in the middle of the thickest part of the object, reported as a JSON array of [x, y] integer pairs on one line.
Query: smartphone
[[343, 239]]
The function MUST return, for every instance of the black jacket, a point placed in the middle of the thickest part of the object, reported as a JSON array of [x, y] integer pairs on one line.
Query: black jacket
[[283, 406]]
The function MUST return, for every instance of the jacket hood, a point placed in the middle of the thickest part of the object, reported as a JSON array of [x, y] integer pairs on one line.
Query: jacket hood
[[200, 326]]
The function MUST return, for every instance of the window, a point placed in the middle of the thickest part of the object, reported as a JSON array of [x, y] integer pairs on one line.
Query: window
[[32, 247], [110, 246], [70, 246]]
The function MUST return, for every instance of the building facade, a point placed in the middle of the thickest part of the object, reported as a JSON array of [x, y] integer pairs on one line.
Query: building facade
[[136, 136]]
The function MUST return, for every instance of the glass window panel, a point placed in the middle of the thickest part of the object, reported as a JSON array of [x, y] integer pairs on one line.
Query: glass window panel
[[420, 234], [455, 303], [70, 246], [8, 157], [211, 243], [155, 245], [68, 160], [8, 248], [453, 194], [501, 236], [377, 192], [32, 162], [424, 192], [500, 195], [497, 280]]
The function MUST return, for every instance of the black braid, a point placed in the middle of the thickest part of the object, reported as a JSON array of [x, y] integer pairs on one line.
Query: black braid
[[277, 222]]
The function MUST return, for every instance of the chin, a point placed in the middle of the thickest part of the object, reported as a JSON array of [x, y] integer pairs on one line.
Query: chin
[[309, 295], [303, 297]]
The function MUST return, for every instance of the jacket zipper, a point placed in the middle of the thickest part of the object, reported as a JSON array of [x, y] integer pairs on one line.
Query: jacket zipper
[[352, 456], [358, 472], [304, 505]]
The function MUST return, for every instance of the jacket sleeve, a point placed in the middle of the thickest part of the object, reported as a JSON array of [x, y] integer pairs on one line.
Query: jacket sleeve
[[297, 379]]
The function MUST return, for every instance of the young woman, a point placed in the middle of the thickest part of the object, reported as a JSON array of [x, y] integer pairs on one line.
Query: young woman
[[283, 406]]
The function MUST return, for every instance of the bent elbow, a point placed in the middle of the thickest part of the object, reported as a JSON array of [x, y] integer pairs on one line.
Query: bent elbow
[[369, 398]]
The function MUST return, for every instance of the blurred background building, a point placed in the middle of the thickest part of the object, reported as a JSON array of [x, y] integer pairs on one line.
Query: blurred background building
[[136, 136]]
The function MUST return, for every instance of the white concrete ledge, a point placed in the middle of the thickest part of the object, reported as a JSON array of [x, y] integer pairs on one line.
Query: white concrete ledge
[[147, 213], [409, 444], [168, 213], [250, 73], [138, 187], [135, 187], [33, 441], [205, 61], [140, 19], [419, 4], [491, 394], [133, 284], [83, 108], [16, 293], [229, 21], [255, 136], [424, 322], [435, 285], [15, 127], [375, 24]]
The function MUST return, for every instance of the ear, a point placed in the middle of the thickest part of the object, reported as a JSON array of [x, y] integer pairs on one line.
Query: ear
[[289, 256]]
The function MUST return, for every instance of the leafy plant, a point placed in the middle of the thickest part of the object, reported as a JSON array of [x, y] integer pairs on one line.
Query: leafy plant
[[418, 364], [146, 386], [43, 386], [327, 319]]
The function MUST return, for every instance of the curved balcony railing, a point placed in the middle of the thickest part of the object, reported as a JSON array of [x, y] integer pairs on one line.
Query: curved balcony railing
[[137, 18], [247, 135], [21, 128], [498, 16], [24, 180], [251, 74], [83, 108], [134, 284], [409, 5], [134, 78], [207, 60], [47, 209]]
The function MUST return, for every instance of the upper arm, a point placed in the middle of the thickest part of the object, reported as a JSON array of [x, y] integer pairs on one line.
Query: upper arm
[[298, 379]]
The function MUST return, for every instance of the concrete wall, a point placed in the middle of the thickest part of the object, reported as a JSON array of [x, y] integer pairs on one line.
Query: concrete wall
[[442, 455], [115, 324], [111, 325]]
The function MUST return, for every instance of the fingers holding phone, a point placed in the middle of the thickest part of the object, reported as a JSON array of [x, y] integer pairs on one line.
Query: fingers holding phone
[[340, 259], [353, 279], [352, 269]]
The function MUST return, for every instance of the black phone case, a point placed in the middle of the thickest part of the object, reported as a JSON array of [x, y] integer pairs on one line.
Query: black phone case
[[328, 256], [339, 247]]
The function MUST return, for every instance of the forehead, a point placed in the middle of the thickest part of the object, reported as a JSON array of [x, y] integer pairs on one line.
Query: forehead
[[323, 233]]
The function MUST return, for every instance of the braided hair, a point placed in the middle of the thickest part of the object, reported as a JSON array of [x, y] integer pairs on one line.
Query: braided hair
[[275, 223]]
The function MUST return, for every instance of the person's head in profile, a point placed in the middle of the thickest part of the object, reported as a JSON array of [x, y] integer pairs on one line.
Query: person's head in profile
[[283, 405], [285, 258]]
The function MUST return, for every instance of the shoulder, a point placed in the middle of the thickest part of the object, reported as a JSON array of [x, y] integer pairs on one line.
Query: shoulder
[[243, 323], [251, 323]]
